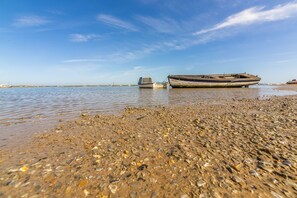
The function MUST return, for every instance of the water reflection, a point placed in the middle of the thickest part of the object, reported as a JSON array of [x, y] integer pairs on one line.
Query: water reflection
[[151, 97]]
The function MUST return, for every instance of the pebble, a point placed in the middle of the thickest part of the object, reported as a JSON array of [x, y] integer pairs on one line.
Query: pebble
[[237, 179], [215, 194], [200, 183], [86, 192], [133, 195], [287, 162], [113, 188], [275, 195], [12, 170], [154, 195], [266, 168], [24, 169], [254, 173]]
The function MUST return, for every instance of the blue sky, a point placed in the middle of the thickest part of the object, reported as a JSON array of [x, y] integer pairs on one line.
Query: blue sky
[[45, 42]]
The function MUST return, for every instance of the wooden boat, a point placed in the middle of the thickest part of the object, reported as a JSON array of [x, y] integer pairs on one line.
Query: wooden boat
[[147, 82], [292, 82], [213, 80]]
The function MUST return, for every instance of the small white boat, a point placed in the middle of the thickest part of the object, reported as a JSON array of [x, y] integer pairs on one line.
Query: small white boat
[[147, 82]]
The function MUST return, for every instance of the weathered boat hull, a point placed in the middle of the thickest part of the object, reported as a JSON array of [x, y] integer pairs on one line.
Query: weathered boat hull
[[293, 82], [192, 84], [147, 85], [212, 81]]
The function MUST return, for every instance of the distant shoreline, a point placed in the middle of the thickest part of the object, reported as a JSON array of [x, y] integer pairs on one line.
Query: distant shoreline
[[104, 85], [40, 86]]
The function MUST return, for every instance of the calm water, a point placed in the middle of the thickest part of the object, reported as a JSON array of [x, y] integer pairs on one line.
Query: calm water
[[25, 110]]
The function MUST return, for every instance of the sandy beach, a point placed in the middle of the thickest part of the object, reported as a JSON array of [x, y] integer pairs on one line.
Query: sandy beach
[[232, 148], [148, 99]]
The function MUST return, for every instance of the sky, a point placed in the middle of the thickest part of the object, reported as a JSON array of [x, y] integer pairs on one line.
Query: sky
[[71, 42]]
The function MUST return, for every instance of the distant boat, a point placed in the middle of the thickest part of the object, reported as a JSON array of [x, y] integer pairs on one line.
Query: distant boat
[[213, 80], [294, 81], [147, 82], [5, 86]]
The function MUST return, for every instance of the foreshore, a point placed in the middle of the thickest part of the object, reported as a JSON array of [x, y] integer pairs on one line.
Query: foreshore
[[235, 148]]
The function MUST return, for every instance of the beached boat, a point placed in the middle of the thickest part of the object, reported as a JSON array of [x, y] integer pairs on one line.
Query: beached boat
[[213, 80], [147, 82], [292, 82]]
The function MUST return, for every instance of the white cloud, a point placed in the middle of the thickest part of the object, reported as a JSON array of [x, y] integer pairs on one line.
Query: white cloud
[[83, 37], [161, 25], [78, 69], [55, 12], [255, 15], [113, 21], [283, 61], [149, 1], [82, 60], [124, 55], [30, 21], [143, 70]]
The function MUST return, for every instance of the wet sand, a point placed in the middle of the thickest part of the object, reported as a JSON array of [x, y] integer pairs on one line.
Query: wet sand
[[235, 148], [25, 111]]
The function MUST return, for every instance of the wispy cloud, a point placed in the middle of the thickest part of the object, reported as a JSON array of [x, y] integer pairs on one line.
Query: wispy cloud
[[148, 1], [30, 21], [143, 70], [120, 56], [83, 37], [55, 12], [255, 15], [246, 17], [283, 61], [116, 22], [81, 60], [81, 69], [124, 55], [165, 25]]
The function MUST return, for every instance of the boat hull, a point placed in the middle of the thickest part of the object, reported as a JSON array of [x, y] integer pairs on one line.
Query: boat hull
[[292, 83], [146, 85], [211, 81]]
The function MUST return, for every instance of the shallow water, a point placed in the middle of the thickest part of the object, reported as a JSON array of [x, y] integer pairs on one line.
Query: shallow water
[[28, 110]]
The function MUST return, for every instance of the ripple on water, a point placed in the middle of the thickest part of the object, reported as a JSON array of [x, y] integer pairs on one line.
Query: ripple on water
[[26, 110]]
